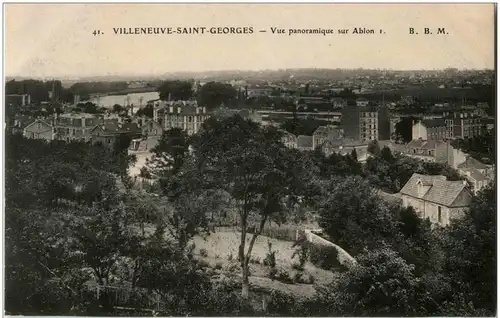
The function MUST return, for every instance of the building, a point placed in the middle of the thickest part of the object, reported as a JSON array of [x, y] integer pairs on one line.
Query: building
[[430, 129], [305, 142], [374, 124], [17, 99], [324, 133], [435, 198], [185, 115], [151, 128], [40, 129], [75, 126], [108, 134], [20, 122], [422, 149], [362, 102], [288, 139], [338, 102], [477, 173], [464, 125]]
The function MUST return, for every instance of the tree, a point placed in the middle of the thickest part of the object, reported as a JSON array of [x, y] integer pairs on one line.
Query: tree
[[118, 108], [373, 147], [145, 111], [403, 129], [471, 259], [170, 152], [355, 219], [252, 165], [175, 90], [214, 94], [382, 284]]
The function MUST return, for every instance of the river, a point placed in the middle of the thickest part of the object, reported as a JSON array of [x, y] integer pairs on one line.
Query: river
[[136, 99]]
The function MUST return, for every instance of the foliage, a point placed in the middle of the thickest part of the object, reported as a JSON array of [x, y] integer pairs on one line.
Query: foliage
[[383, 284], [169, 153], [214, 94], [305, 127], [175, 90], [403, 129], [270, 259], [373, 147], [145, 111], [355, 219]]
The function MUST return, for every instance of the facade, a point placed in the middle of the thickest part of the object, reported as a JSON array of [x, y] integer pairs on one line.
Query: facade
[[430, 129], [435, 198], [75, 126], [464, 125], [185, 115], [20, 122], [477, 173], [289, 139], [374, 124], [152, 129], [40, 129], [362, 102], [305, 142], [108, 134], [338, 103], [17, 99], [326, 133]]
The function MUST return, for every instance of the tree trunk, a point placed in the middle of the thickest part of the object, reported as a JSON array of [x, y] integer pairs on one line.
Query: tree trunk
[[245, 284]]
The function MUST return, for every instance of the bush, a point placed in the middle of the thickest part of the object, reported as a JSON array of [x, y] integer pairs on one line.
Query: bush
[[218, 266], [325, 257], [298, 267], [311, 279], [272, 273], [203, 252], [203, 263], [297, 278], [270, 259], [230, 257], [255, 260], [284, 277]]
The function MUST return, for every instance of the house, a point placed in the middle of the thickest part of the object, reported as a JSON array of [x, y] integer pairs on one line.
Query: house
[[362, 102], [152, 128], [186, 115], [324, 133], [288, 139], [109, 134], [305, 142], [422, 149], [75, 126], [435, 198], [338, 102], [40, 129], [20, 122], [477, 173], [430, 129]]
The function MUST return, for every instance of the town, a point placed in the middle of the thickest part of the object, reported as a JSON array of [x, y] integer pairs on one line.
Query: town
[[308, 192]]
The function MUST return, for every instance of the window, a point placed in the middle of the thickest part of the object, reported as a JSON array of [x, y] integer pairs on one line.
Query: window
[[439, 214]]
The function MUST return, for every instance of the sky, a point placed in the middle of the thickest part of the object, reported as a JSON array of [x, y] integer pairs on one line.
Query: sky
[[56, 40]]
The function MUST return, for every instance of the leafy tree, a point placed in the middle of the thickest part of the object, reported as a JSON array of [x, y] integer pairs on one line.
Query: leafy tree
[[471, 259], [170, 152], [175, 90], [373, 147], [252, 165], [213, 94], [382, 284], [118, 108], [145, 111], [355, 219], [403, 129]]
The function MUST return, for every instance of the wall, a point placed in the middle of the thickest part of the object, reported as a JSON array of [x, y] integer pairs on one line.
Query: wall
[[432, 211], [343, 257], [418, 131]]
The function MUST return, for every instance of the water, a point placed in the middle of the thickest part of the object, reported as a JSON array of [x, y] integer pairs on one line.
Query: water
[[124, 100]]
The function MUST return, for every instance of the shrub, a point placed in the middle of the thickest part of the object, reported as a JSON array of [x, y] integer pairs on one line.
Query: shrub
[[297, 278], [218, 266], [230, 257], [284, 277], [255, 260], [203, 263], [203, 252], [311, 279], [270, 259], [298, 267], [272, 273]]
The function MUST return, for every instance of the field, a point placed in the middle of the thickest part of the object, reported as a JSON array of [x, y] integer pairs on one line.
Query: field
[[220, 251]]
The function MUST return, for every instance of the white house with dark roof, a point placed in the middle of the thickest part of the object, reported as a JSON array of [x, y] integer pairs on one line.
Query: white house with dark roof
[[327, 133], [435, 198], [477, 173]]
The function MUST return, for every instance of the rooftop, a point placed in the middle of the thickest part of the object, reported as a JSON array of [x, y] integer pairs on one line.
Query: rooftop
[[436, 189], [304, 141]]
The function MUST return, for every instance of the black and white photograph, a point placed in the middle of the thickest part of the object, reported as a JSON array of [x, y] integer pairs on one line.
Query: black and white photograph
[[250, 159]]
